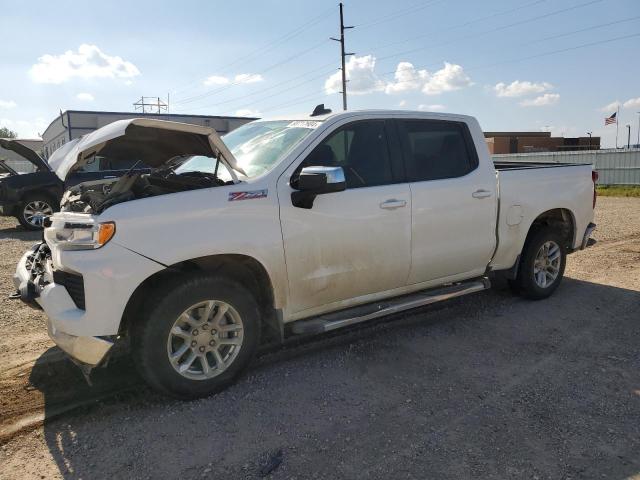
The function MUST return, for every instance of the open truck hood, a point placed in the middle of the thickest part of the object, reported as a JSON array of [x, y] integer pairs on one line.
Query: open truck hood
[[25, 152], [154, 142]]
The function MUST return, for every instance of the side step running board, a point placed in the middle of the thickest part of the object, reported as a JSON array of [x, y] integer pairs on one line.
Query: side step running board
[[351, 316]]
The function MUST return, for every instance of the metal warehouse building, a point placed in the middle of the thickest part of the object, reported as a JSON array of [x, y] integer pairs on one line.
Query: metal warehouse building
[[75, 123]]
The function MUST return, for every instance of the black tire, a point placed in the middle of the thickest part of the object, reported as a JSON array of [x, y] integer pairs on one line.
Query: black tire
[[22, 216], [150, 334], [525, 284]]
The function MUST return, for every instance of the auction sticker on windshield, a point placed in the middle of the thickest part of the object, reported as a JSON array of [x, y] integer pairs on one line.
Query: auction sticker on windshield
[[304, 124], [250, 195]]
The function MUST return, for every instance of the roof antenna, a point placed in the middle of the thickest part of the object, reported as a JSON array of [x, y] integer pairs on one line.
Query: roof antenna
[[320, 110]]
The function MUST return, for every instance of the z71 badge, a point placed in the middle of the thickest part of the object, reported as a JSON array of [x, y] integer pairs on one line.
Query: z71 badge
[[251, 195]]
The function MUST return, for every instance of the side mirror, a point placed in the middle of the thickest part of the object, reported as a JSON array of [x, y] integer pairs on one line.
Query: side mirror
[[314, 181]]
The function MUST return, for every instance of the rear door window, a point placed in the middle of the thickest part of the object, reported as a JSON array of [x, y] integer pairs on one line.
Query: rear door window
[[436, 149]]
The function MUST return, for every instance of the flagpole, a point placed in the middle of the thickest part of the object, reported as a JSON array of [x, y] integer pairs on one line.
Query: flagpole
[[617, 124]]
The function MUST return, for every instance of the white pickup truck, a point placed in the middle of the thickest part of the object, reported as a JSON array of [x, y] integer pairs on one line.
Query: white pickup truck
[[288, 227]]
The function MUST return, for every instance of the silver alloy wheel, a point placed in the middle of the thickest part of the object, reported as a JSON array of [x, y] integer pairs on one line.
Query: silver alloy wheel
[[205, 340], [547, 264], [34, 212]]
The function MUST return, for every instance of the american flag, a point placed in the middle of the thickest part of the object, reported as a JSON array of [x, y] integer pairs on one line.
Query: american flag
[[611, 119]]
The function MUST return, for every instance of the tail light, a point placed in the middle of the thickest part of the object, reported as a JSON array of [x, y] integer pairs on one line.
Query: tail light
[[594, 178]]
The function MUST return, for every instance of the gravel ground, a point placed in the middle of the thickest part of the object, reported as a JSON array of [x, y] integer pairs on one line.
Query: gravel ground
[[486, 386]]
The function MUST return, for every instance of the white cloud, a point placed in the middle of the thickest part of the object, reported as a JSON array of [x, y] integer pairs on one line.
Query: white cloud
[[363, 78], [85, 97], [542, 100], [402, 103], [612, 107], [25, 128], [449, 78], [632, 103], [248, 78], [361, 75], [431, 108], [216, 80], [407, 78], [240, 79], [520, 89], [88, 62], [7, 104], [246, 112]]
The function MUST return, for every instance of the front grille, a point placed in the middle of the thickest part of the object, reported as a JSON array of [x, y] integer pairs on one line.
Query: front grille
[[73, 283]]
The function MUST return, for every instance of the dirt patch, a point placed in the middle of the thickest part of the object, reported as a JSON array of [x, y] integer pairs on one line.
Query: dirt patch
[[488, 386]]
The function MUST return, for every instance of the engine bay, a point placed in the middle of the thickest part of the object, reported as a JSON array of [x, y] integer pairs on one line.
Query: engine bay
[[95, 197]]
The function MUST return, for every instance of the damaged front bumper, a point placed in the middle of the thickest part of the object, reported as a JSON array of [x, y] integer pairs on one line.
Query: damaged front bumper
[[35, 286]]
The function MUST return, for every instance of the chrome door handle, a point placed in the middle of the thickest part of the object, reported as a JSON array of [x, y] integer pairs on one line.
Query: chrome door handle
[[392, 204], [481, 194]]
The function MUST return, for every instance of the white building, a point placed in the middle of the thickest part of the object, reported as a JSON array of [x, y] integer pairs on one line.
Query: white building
[[75, 123]]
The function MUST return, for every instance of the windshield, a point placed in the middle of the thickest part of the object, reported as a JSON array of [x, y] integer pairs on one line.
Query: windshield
[[203, 163], [259, 146]]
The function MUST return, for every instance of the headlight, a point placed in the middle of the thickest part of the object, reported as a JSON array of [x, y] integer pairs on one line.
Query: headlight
[[81, 236]]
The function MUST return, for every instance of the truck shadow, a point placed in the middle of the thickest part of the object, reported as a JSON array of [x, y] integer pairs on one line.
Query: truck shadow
[[487, 386]]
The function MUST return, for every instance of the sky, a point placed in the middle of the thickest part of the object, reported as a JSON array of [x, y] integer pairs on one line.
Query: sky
[[539, 65]]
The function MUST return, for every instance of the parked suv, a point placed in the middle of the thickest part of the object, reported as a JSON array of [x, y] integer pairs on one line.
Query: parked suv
[[30, 197]]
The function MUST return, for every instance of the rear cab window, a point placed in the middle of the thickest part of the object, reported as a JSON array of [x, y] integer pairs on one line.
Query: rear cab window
[[436, 149]]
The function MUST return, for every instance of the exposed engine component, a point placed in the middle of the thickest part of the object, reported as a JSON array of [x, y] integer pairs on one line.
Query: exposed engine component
[[95, 197]]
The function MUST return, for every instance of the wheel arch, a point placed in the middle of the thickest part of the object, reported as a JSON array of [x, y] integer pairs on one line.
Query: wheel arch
[[561, 219], [244, 269]]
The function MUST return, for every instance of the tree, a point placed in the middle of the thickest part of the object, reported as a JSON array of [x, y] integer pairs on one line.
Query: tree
[[6, 133]]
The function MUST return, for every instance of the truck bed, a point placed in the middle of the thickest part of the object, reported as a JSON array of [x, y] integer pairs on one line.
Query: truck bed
[[525, 190]]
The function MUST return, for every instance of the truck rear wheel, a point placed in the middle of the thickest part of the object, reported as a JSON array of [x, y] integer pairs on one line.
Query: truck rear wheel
[[542, 265], [197, 336]]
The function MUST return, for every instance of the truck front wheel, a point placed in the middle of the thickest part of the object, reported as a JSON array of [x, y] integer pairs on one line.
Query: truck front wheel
[[197, 335], [542, 265]]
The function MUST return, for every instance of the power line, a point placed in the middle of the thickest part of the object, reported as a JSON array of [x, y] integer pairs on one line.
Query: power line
[[296, 101], [493, 30], [462, 25], [253, 103], [586, 29], [562, 50], [585, 45], [265, 48], [399, 13], [530, 57], [264, 97], [279, 84], [229, 85]]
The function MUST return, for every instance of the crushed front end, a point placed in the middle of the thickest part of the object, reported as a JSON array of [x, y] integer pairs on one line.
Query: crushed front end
[[39, 285]]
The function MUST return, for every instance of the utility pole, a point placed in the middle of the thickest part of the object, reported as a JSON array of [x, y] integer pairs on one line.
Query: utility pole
[[628, 136], [589, 133], [342, 57], [638, 144]]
